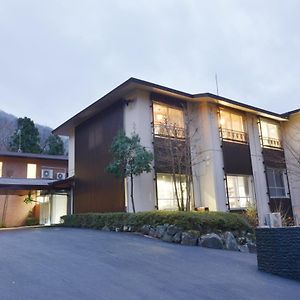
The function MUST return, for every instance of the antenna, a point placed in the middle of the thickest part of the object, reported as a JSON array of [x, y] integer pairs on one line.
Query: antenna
[[217, 86]]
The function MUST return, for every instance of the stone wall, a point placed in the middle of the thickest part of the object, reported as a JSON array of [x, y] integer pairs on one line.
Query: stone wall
[[278, 251]]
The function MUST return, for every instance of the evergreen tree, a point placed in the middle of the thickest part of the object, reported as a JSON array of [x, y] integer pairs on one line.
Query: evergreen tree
[[26, 138], [54, 145], [130, 159]]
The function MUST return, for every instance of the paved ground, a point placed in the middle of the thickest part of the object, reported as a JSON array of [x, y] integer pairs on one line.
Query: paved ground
[[58, 263]]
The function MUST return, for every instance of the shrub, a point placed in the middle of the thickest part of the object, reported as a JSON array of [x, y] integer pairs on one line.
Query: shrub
[[203, 222]]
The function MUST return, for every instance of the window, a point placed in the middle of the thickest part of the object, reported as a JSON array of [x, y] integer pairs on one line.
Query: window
[[166, 192], [240, 192], [232, 126], [1, 168], [31, 170], [270, 136], [277, 183], [168, 121]]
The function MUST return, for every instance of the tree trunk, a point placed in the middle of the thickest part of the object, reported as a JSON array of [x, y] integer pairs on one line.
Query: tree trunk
[[131, 192]]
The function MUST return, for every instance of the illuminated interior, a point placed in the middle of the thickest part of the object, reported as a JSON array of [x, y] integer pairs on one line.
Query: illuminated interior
[[232, 126], [168, 121], [166, 191], [270, 135], [1, 167], [240, 191], [31, 171]]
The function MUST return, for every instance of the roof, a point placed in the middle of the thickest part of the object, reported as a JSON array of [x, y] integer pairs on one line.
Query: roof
[[292, 112], [133, 83], [33, 155], [34, 184]]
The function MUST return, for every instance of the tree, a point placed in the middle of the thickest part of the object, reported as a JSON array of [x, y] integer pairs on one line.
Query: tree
[[54, 145], [130, 159], [26, 138]]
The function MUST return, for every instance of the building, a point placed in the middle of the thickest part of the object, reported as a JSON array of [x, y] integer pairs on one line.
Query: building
[[243, 154], [40, 177]]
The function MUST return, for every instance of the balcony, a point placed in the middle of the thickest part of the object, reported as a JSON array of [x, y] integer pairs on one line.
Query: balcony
[[169, 131], [271, 142], [233, 135]]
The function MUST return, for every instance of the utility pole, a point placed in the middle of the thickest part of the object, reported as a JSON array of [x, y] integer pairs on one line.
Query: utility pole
[[20, 140], [217, 86]]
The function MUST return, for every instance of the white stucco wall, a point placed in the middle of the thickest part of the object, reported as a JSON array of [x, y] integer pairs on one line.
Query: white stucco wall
[[291, 142], [138, 118], [208, 169], [259, 177], [71, 155]]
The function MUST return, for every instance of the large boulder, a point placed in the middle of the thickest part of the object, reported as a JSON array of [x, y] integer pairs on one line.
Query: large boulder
[[172, 230], [145, 229], [230, 241], [211, 240], [189, 238], [177, 237], [167, 237], [160, 230]]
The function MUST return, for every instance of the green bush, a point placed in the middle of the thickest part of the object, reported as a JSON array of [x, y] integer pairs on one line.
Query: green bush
[[201, 221]]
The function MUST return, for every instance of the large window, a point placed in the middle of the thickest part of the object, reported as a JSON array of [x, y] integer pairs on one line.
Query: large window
[[277, 183], [270, 136], [31, 170], [166, 191], [232, 126], [168, 121], [240, 191]]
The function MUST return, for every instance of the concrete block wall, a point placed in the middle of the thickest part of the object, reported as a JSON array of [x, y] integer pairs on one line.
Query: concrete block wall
[[278, 251]]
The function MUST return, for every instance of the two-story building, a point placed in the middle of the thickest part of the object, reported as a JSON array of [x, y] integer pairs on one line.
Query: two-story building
[[239, 154], [38, 177]]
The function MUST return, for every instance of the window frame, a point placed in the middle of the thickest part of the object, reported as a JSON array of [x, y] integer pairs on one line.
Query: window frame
[[161, 129], [248, 199], [284, 187], [230, 134], [269, 141]]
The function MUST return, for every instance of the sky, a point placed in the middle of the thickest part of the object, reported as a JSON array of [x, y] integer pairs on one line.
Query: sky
[[58, 57]]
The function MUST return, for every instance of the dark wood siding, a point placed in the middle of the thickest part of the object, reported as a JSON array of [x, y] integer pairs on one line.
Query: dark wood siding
[[237, 158], [95, 189], [274, 158]]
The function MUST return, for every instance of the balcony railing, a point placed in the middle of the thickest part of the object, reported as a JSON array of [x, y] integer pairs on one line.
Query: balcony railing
[[233, 135], [271, 142], [169, 131]]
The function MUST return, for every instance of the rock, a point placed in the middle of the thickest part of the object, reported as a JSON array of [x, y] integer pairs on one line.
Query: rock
[[145, 229], [244, 248], [172, 230], [160, 231], [230, 241], [211, 240], [127, 228], [167, 238], [177, 237], [152, 232], [105, 228], [189, 238], [251, 247]]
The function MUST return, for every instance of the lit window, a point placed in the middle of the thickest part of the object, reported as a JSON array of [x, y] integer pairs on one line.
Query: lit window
[[166, 191], [1, 167], [270, 136], [232, 126], [31, 170], [240, 192], [277, 183], [168, 121]]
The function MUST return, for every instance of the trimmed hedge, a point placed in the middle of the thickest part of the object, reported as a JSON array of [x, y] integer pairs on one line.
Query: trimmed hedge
[[204, 222]]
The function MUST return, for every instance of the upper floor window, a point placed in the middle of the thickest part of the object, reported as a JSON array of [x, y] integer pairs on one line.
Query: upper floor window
[[277, 183], [270, 134], [31, 170], [168, 121], [1, 168], [232, 126]]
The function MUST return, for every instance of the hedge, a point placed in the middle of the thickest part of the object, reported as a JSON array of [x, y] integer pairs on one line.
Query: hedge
[[204, 222]]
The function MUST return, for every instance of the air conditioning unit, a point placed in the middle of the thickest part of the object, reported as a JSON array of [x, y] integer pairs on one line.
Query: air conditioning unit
[[273, 220], [47, 174], [60, 176]]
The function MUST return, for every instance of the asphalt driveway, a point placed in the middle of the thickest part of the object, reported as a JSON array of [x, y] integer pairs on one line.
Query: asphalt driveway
[[63, 263]]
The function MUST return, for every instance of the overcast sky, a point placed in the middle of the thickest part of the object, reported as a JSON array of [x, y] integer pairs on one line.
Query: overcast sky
[[57, 57]]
